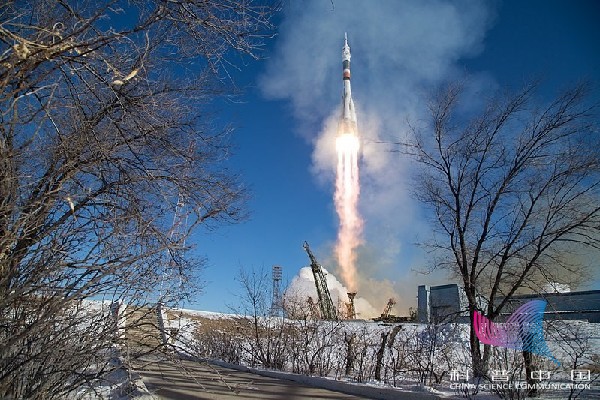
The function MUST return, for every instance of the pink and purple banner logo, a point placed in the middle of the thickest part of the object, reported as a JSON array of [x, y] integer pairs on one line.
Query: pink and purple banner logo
[[522, 331]]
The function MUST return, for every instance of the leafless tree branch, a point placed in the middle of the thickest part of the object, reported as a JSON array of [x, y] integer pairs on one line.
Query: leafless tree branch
[[104, 129], [513, 191]]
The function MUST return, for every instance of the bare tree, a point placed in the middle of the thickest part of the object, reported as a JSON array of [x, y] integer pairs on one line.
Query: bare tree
[[105, 135], [254, 304], [575, 340], [269, 334], [513, 192]]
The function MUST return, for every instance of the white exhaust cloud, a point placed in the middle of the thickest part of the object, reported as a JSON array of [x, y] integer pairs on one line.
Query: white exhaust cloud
[[303, 286]]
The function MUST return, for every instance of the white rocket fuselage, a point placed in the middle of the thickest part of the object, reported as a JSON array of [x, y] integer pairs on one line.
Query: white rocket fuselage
[[348, 124]]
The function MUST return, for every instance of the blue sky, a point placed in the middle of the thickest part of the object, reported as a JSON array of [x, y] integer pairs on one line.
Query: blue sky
[[400, 51]]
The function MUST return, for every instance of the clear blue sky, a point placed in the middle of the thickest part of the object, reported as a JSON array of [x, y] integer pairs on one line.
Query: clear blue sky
[[297, 86]]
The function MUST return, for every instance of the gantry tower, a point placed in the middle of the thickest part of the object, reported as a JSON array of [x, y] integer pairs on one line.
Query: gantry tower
[[326, 306]]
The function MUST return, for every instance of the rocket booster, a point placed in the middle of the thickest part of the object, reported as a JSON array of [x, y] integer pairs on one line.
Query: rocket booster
[[348, 123]]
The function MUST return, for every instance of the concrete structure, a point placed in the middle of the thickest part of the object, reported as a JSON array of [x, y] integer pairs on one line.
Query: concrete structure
[[423, 304], [445, 303], [448, 303]]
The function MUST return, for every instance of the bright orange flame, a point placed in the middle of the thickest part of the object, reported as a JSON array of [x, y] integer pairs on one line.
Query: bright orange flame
[[347, 190]]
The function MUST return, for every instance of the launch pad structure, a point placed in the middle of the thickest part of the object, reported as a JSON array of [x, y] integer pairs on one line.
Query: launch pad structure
[[325, 303], [387, 316], [350, 305]]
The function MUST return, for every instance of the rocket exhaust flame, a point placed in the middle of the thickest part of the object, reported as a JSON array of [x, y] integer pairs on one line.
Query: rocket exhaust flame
[[346, 204], [347, 187]]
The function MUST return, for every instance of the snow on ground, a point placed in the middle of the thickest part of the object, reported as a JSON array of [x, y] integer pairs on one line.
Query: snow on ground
[[565, 339], [119, 384], [206, 314]]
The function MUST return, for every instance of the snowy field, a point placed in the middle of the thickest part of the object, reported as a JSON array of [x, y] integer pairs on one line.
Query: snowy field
[[413, 357], [409, 357]]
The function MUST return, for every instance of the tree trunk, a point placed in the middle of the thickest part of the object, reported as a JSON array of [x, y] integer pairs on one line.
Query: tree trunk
[[526, 337], [529, 367], [380, 353], [350, 356], [478, 363]]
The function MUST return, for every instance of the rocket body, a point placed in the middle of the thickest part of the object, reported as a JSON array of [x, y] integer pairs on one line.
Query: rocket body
[[348, 123]]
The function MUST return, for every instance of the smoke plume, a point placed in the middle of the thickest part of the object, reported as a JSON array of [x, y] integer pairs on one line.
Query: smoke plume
[[401, 50]]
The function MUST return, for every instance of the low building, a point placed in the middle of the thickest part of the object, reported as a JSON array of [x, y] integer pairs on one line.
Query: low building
[[584, 305], [448, 303]]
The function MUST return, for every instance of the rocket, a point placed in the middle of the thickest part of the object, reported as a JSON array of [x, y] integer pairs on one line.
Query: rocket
[[347, 185], [348, 122]]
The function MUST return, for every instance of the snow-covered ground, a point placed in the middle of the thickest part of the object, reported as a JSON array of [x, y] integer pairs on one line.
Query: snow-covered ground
[[421, 356], [416, 358], [119, 384]]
